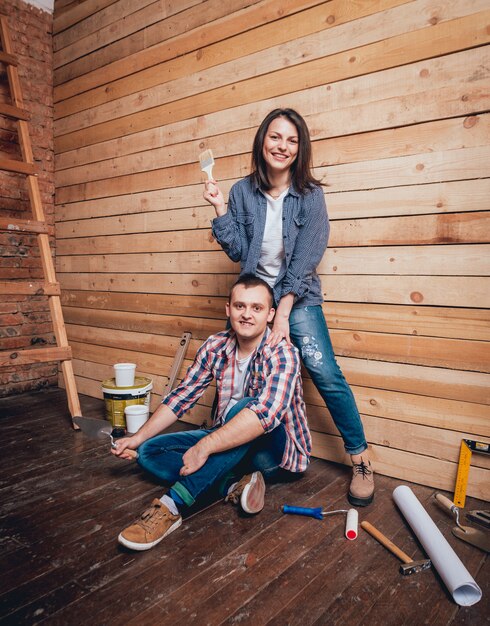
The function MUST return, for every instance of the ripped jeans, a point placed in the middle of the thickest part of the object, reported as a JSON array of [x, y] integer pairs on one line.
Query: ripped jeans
[[309, 333]]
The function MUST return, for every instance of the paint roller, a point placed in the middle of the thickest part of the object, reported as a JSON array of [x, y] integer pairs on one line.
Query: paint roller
[[351, 522]]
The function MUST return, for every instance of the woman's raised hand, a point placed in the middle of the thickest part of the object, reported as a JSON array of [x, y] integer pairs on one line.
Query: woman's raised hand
[[213, 194]]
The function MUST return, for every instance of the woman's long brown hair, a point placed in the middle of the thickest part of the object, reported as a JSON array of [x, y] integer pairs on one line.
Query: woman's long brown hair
[[301, 175]]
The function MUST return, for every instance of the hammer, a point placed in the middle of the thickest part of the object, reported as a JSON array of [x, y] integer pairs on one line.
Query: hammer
[[409, 566]]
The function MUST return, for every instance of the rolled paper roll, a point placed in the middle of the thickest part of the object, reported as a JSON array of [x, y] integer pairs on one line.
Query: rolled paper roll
[[456, 577], [351, 524]]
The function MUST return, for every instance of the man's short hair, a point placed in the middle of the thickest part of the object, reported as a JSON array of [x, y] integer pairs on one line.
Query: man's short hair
[[249, 280]]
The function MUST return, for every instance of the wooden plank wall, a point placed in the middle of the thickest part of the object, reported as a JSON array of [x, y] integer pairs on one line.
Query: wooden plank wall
[[396, 94]]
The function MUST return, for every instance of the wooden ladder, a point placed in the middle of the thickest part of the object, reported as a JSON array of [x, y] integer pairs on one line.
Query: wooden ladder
[[49, 287]]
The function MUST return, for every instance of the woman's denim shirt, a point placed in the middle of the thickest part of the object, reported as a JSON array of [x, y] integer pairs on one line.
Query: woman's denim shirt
[[305, 232]]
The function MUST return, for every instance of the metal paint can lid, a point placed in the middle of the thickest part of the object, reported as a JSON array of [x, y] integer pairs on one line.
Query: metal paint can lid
[[141, 386]]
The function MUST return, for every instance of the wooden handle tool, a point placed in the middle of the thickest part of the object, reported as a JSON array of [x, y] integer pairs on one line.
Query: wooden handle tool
[[409, 565]]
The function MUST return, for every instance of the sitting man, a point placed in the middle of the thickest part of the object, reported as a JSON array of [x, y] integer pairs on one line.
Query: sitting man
[[260, 424]]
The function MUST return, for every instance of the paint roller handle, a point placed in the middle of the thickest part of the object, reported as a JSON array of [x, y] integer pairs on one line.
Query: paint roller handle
[[383, 540], [301, 510]]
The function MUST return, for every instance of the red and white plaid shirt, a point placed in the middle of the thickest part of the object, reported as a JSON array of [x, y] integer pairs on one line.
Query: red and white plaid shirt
[[274, 384]]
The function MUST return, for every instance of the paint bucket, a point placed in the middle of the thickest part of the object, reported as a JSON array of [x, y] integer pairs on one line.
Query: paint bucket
[[118, 398]]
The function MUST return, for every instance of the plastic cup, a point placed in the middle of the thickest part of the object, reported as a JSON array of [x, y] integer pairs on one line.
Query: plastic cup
[[125, 374], [136, 415]]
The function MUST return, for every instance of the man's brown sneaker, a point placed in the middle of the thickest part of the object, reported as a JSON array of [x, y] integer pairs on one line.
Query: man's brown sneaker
[[154, 524], [250, 492], [361, 492]]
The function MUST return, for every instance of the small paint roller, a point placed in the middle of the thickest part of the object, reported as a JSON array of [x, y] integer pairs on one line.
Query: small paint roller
[[351, 524], [318, 513]]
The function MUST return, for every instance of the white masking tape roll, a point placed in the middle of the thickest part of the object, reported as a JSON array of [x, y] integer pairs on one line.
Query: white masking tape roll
[[351, 524], [456, 577]]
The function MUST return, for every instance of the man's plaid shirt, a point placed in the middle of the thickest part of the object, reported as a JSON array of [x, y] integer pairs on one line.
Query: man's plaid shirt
[[274, 386]]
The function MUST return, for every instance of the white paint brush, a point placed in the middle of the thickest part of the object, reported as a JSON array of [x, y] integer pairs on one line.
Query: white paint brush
[[206, 160]]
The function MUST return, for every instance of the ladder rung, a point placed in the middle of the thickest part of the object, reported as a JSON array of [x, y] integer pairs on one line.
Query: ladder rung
[[20, 167], [12, 111], [34, 355], [8, 59], [31, 288], [25, 226]]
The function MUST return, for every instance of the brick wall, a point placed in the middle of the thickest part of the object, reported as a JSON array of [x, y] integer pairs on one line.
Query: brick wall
[[25, 320]]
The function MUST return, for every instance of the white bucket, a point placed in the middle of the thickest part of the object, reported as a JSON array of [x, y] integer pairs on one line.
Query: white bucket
[[136, 415], [118, 398], [125, 373]]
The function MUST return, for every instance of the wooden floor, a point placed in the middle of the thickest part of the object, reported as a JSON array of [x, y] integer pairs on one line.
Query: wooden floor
[[64, 499]]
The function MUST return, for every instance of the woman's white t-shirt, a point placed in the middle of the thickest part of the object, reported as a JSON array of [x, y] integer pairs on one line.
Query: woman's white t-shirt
[[272, 250]]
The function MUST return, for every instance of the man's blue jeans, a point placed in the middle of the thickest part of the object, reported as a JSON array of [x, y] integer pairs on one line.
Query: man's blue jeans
[[309, 333], [162, 457]]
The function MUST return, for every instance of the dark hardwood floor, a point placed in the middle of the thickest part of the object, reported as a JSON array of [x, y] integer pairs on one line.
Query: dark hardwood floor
[[64, 499]]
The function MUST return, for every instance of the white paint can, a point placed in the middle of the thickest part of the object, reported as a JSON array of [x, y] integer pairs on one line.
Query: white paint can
[[125, 373], [136, 415]]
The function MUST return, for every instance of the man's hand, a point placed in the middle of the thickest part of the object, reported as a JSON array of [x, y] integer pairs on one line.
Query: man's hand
[[194, 459], [242, 428], [122, 444], [160, 420]]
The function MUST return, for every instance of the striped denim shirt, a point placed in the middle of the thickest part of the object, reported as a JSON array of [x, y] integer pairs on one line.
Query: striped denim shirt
[[274, 386], [305, 227]]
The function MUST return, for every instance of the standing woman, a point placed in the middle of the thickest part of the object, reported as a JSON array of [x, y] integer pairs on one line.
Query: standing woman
[[277, 226]]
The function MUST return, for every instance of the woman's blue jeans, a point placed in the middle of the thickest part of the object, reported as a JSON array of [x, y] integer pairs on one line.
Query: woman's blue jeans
[[162, 457], [309, 333]]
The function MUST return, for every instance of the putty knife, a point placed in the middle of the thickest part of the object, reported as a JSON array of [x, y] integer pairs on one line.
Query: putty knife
[[99, 429], [473, 536]]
